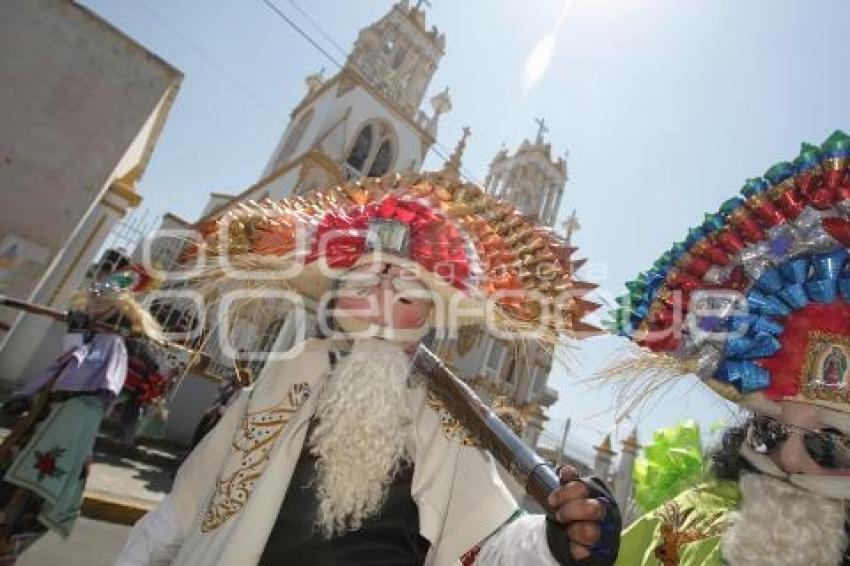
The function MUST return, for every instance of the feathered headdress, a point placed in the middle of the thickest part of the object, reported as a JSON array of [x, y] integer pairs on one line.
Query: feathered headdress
[[755, 299], [117, 294]]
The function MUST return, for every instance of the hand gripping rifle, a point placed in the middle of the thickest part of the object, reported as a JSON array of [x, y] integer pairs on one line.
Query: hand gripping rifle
[[521, 462]]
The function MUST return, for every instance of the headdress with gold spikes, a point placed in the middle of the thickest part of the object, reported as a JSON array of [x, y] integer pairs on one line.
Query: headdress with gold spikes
[[467, 246]]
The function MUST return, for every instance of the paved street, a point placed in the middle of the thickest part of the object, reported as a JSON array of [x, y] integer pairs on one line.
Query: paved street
[[93, 543]]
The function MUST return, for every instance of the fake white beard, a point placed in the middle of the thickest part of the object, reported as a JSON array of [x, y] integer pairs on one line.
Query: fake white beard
[[778, 523], [360, 440]]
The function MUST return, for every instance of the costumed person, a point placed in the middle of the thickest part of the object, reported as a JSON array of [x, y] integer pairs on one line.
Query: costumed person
[[44, 459], [144, 387], [685, 498], [337, 455], [755, 302]]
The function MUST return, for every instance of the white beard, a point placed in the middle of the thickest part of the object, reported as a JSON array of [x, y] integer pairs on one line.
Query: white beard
[[779, 523], [364, 421]]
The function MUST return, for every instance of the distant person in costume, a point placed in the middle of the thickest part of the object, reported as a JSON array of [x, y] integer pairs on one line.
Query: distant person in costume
[[44, 459], [763, 288], [144, 388], [337, 455]]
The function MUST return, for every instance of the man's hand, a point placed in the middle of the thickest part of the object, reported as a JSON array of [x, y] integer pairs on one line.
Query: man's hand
[[586, 521]]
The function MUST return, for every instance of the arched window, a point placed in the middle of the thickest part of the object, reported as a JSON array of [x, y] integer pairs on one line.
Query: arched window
[[361, 149], [294, 138], [381, 163], [373, 151], [399, 56]]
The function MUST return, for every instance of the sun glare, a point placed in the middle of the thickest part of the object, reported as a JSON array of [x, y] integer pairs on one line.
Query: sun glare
[[540, 57]]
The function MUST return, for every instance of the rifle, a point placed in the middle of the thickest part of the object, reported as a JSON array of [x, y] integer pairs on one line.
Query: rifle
[[521, 462], [63, 316]]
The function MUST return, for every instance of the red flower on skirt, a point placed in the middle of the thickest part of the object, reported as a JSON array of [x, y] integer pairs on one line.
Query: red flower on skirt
[[45, 463]]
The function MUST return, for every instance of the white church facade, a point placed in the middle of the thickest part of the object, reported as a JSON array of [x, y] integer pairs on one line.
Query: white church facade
[[366, 120]]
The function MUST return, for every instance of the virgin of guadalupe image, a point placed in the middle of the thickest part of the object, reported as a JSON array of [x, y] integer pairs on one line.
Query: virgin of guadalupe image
[[834, 367]]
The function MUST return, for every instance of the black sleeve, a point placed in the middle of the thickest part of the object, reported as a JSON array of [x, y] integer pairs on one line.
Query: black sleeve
[[604, 552]]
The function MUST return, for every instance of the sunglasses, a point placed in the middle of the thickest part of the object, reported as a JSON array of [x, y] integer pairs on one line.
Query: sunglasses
[[828, 447], [401, 283]]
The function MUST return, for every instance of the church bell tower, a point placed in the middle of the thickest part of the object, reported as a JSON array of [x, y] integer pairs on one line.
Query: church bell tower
[[530, 179], [365, 120]]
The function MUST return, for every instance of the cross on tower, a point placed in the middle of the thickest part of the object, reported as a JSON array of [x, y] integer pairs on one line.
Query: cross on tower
[[419, 4], [571, 226], [541, 128]]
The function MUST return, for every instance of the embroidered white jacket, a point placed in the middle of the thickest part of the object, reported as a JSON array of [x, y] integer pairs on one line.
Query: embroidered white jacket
[[227, 494]]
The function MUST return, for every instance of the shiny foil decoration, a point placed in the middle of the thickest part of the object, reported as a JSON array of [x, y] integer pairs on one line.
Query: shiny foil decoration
[[783, 244], [482, 246]]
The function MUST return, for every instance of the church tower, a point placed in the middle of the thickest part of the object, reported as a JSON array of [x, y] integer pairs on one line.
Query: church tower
[[530, 179], [366, 119], [516, 370], [624, 482], [604, 459]]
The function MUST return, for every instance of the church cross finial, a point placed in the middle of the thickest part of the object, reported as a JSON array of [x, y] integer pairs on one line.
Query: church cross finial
[[452, 165], [541, 128], [419, 4], [571, 226]]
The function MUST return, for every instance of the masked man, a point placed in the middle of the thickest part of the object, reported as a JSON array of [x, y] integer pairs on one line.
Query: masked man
[[44, 459], [765, 286], [337, 455]]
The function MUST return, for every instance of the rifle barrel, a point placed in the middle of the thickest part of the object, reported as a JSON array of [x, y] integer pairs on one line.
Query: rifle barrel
[[62, 316], [521, 462]]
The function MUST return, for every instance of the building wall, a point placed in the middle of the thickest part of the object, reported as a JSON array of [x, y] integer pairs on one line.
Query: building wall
[[81, 105]]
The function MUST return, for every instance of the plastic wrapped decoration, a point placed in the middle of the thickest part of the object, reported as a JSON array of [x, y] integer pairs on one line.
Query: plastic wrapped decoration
[[755, 299], [673, 463]]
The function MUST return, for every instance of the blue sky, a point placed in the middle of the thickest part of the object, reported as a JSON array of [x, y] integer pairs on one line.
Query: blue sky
[[665, 107]]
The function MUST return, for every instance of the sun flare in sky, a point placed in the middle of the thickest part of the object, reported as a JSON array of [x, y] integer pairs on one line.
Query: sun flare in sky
[[540, 56]]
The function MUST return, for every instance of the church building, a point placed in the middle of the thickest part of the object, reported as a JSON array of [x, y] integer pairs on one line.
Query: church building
[[367, 120], [513, 371]]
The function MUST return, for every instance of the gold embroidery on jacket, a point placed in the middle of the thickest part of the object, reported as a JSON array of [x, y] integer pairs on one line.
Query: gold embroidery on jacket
[[452, 428], [254, 441]]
